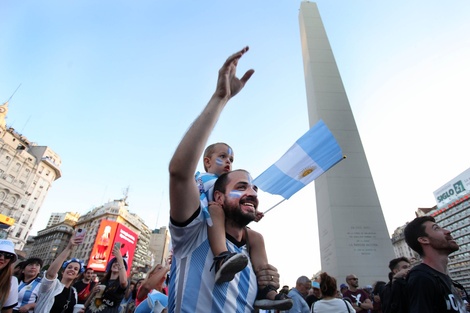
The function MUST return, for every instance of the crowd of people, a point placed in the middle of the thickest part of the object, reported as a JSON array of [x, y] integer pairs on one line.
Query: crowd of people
[[68, 286], [218, 263]]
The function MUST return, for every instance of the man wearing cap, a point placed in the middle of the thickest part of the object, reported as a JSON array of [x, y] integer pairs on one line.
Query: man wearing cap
[[28, 287], [343, 288], [7, 258], [314, 294]]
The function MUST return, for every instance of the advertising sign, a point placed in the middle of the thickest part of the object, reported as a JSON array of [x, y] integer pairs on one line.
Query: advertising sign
[[453, 190], [109, 233], [6, 220]]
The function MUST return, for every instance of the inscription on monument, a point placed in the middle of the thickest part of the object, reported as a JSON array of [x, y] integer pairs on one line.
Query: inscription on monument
[[362, 240]]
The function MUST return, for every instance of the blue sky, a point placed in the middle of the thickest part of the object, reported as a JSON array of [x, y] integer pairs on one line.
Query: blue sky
[[112, 86]]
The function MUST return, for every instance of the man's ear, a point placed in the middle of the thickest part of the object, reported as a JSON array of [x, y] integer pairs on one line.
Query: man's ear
[[423, 240], [218, 197]]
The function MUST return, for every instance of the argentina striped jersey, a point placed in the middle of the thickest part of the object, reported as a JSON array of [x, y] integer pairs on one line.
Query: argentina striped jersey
[[205, 183], [192, 286], [28, 293]]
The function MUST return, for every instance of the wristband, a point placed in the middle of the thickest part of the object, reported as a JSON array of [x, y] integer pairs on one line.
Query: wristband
[[359, 304]]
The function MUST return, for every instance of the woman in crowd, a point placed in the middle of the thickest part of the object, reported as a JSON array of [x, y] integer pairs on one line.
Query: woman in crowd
[[330, 303], [150, 296], [8, 282], [115, 282], [29, 284], [377, 305], [128, 302], [59, 296]]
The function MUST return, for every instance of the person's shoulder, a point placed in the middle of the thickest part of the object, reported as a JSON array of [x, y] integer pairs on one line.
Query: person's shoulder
[[421, 270], [14, 282], [205, 177]]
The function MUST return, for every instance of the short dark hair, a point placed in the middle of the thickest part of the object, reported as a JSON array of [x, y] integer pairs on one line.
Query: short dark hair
[[222, 181], [394, 263], [328, 285], [416, 229]]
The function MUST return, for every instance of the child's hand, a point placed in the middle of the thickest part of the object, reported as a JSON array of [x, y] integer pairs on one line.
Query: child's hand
[[214, 204], [259, 216]]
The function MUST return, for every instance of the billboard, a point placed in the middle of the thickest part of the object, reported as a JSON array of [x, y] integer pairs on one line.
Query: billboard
[[454, 190], [6, 220], [109, 233]]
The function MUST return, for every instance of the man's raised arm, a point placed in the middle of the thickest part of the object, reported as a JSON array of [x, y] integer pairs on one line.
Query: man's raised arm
[[184, 195]]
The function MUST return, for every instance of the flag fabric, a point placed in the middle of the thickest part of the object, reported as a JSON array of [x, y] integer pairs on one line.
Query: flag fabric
[[311, 155]]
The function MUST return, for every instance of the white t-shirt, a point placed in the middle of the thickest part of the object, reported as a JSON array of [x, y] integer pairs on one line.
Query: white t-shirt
[[12, 299], [332, 306]]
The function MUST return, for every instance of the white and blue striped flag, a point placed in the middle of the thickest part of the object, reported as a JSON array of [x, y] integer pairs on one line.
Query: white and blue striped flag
[[311, 155]]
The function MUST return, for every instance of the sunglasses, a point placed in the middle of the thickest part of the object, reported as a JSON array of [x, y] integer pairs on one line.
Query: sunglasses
[[7, 255]]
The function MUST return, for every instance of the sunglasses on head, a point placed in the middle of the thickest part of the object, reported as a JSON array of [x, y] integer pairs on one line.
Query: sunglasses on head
[[7, 255]]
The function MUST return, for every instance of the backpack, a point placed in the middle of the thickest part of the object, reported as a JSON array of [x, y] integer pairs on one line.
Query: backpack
[[394, 297]]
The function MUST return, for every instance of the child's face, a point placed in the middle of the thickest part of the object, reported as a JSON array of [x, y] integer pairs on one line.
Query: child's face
[[220, 161]]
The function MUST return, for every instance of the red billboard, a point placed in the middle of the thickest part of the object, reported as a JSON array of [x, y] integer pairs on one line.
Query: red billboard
[[109, 233]]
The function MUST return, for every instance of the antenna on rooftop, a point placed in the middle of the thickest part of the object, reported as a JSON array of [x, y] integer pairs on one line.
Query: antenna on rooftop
[[13, 93], [125, 192]]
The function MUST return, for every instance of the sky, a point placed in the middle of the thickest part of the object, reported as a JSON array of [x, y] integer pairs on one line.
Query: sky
[[112, 86]]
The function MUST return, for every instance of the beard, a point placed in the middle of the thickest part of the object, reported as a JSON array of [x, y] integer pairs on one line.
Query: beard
[[446, 245], [236, 216]]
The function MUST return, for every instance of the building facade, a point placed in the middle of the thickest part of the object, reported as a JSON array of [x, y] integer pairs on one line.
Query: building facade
[[352, 230], [160, 245], [400, 247], [27, 171], [116, 211], [453, 213], [57, 218], [50, 242]]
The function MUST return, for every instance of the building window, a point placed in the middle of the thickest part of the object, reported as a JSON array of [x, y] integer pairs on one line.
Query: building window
[[7, 160], [27, 172]]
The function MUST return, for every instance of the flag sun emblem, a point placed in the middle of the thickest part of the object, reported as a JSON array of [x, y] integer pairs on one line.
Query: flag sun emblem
[[306, 171]]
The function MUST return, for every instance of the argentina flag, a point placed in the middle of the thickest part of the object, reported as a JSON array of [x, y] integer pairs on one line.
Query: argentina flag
[[311, 155]]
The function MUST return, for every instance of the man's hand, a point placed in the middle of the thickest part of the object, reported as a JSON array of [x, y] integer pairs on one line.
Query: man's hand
[[228, 85], [268, 275], [401, 274]]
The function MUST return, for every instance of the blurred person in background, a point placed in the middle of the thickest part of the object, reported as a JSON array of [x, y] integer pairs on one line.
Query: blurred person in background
[[8, 282], [330, 303], [28, 286]]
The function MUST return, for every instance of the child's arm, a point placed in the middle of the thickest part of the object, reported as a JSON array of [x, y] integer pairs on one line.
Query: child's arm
[[259, 216]]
